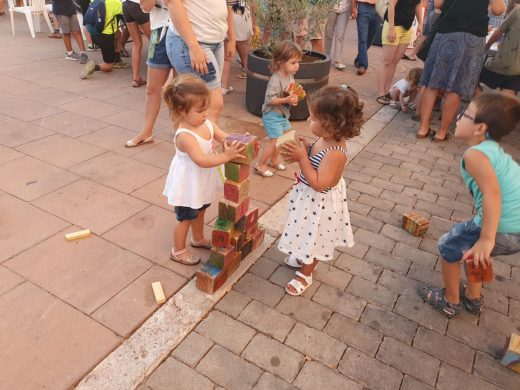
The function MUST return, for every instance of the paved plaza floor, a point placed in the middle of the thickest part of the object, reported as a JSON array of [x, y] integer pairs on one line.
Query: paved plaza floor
[[66, 306]]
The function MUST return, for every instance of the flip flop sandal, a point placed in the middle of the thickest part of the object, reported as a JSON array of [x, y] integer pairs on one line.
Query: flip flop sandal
[[297, 285], [435, 297], [406, 57], [132, 144], [188, 259], [423, 136], [138, 83], [242, 75], [266, 173], [279, 166], [124, 53], [292, 261], [384, 99], [204, 243], [437, 140]]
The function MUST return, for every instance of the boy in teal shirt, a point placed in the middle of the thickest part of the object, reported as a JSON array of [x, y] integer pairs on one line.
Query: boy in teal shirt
[[493, 178]]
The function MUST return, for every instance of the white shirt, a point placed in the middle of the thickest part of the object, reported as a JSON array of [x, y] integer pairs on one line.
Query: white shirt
[[159, 16], [208, 19], [341, 6], [402, 85]]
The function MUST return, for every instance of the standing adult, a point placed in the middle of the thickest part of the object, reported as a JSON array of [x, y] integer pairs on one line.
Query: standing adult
[[159, 67], [364, 11], [455, 59], [396, 36], [136, 21], [335, 30], [195, 42]]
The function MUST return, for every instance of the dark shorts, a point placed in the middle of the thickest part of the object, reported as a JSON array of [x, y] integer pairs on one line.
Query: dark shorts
[[133, 13], [496, 80], [68, 24], [464, 235], [157, 54], [107, 44], [187, 213]]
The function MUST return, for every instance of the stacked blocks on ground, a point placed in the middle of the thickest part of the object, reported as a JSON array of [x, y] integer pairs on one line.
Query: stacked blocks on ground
[[235, 234]]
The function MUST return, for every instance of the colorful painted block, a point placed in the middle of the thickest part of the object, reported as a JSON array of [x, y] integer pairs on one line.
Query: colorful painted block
[[235, 264], [251, 217], [210, 278], [415, 223], [258, 238], [221, 234], [511, 357], [479, 274], [251, 144], [246, 248], [250, 232], [296, 89], [221, 257], [236, 192], [236, 172], [232, 211], [240, 226], [237, 240]]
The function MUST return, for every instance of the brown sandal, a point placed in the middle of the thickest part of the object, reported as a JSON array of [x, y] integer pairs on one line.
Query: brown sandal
[[138, 83], [446, 137], [187, 259], [423, 136]]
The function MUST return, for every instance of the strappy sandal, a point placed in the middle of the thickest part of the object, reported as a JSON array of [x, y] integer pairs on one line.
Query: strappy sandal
[[187, 259], [384, 99], [435, 297], [297, 285], [204, 243], [266, 173], [423, 136], [279, 166], [292, 261], [242, 75], [132, 144], [446, 137], [138, 83]]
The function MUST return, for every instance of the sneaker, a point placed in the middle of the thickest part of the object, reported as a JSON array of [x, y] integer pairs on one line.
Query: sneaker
[[88, 70], [83, 58], [121, 65], [339, 66], [473, 306], [72, 56], [92, 47], [55, 34]]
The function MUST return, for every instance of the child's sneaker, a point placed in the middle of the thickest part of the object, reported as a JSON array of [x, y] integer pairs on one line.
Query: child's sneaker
[[92, 47], [435, 297], [72, 56], [83, 58], [121, 65], [88, 70], [473, 306]]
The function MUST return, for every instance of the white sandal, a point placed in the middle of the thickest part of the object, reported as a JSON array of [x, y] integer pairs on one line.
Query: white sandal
[[292, 261], [132, 144], [266, 173], [297, 285], [279, 166]]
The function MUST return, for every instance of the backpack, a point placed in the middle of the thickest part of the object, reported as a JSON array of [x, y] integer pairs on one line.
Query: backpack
[[94, 19]]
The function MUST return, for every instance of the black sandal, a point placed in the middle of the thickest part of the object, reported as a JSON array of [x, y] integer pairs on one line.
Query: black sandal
[[435, 297], [384, 99]]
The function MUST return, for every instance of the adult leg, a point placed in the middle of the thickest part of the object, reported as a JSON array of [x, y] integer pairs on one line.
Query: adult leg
[[428, 97], [67, 42], [330, 28], [133, 29], [79, 40], [390, 71], [341, 30], [243, 48], [389, 52], [373, 28], [363, 22], [449, 111], [226, 70]]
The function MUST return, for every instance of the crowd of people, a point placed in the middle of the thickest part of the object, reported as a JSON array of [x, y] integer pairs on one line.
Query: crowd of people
[[197, 39]]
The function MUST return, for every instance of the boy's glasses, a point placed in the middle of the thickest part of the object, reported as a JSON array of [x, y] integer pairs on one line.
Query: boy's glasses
[[463, 114]]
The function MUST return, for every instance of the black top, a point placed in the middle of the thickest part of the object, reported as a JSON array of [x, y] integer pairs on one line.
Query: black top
[[63, 7], [469, 16], [404, 13]]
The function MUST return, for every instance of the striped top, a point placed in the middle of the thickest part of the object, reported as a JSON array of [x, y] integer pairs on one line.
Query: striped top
[[316, 161]]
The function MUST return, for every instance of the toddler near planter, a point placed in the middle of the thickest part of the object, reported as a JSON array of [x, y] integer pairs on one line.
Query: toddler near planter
[[278, 101]]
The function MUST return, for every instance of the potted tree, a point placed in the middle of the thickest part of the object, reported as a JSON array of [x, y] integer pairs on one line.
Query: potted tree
[[280, 20]]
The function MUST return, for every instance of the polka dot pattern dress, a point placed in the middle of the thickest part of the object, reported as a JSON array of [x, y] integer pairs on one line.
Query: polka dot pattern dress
[[317, 222]]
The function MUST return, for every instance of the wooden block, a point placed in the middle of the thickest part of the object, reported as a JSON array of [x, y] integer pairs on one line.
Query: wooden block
[[77, 235], [210, 278], [221, 257], [232, 211], [258, 238], [479, 274], [511, 357], [221, 234], [158, 292], [237, 240], [290, 136], [251, 144], [236, 172], [246, 248], [241, 224], [235, 264], [296, 89], [415, 223], [236, 192], [250, 232], [251, 217]]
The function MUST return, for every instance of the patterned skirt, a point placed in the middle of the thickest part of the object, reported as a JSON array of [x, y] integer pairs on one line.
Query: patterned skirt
[[454, 63]]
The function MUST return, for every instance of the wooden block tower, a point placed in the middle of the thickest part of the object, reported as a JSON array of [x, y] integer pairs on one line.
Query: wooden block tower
[[236, 231]]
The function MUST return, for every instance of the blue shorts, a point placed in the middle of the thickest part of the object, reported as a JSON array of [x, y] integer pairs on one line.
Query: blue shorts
[[275, 124], [464, 235], [187, 213], [179, 55], [157, 55]]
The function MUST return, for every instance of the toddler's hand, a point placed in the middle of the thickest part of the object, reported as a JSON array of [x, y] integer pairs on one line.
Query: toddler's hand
[[304, 142], [292, 99], [481, 252], [404, 109], [292, 152], [232, 150]]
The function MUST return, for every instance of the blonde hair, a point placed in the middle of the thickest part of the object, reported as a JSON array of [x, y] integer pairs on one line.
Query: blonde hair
[[285, 51], [184, 92], [414, 75]]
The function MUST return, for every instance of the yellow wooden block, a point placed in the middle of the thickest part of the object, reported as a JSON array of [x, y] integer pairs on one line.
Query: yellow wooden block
[[77, 235], [158, 292]]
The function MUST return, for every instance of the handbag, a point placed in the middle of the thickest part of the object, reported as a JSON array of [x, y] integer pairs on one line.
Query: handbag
[[422, 53], [381, 7]]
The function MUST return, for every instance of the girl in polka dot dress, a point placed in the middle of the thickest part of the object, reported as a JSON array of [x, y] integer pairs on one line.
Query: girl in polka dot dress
[[318, 218]]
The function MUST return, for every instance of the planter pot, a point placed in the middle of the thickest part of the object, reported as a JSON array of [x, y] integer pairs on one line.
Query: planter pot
[[311, 75]]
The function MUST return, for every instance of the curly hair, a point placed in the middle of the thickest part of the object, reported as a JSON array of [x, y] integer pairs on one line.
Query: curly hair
[[414, 75], [184, 92], [285, 51], [338, 109]]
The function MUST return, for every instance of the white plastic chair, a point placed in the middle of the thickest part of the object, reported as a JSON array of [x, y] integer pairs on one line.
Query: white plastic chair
[[36, 8]]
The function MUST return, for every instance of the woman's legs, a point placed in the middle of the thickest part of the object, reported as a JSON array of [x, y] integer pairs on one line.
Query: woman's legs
[[217, 102], [133, 29], [391, 59], [428, 97], [330, 28], [339, 38], [226, 70], [449, 111], [243, 48]]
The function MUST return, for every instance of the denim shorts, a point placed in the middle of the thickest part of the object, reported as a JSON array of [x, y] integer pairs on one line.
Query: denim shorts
[[275, 124], [464, 235], [187, 213], [157, 55], [179, 55]]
